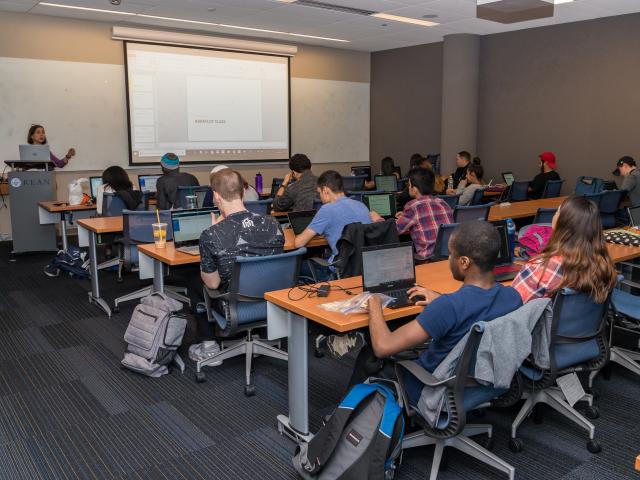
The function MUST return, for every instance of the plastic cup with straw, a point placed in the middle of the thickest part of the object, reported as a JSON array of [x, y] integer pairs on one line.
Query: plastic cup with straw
[[159, 232]]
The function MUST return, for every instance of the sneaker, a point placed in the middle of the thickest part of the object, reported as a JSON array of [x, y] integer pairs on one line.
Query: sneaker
[[340, 345], [201, 351]]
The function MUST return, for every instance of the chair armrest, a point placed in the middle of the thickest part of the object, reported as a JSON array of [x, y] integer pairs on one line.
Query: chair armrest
[[217, 295], [214, 294], [629, 264], [630, 283], [424, 376]]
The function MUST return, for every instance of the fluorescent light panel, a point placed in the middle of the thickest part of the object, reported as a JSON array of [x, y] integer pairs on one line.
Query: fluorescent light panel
[[397, 18], [197, 22]]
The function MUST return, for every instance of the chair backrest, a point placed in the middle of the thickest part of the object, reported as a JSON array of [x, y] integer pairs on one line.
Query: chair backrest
[[452, 200], [112, 206], [402, 183], [261, 207], [441, 248], [610, 200], [519, 191], [137, 225], [544, 215], [472, 212], [183, 192], [552, 188], [594, 197], [434, 158], [353, 183], [477, 197], [586, 185]]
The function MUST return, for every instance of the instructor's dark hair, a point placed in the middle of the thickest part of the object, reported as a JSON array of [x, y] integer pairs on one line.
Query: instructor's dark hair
[[299, 163], [478, 240], [423, 179], [332, 180], [32, 130]]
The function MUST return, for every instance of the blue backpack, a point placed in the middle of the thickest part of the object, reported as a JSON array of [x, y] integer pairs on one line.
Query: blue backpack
[[361, 440], [73, 261]]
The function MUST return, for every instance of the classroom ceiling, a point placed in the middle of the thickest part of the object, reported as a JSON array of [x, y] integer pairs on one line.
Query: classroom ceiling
[[357, 31]]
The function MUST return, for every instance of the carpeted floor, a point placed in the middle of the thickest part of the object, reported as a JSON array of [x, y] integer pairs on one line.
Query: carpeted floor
[[67, 409]]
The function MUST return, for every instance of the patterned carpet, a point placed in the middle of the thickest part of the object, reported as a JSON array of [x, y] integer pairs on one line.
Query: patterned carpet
[[68, 411]]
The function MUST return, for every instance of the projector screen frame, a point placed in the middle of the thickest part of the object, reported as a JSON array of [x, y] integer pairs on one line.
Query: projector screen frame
[[211, 162]]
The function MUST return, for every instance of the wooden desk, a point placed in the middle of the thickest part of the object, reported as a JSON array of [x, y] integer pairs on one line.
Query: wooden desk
[[51, 212], [523, 209]]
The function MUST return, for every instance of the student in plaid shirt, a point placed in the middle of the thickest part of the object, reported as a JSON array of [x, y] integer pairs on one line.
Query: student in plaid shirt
[[423, 215], [575, 257]]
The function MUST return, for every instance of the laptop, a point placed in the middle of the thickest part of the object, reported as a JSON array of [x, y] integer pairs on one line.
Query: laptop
[[389, 269], [275, 185], [147, 183], [505, 269], [384, 204], [386, 183], [94, 183], [508, 178], [299, 221], [360, 171], [187, 227], [634, 217], [35, 153]]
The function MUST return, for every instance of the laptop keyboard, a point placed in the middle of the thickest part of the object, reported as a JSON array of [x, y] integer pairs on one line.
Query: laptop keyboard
[[402, 299], [192, 250]]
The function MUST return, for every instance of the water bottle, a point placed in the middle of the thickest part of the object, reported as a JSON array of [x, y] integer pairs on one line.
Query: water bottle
[[511, 235], [450, 181], [259, 183]]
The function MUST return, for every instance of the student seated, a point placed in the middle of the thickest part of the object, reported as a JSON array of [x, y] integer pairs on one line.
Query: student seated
[[387, 168], [472, 182], [298, 189], [438, 188], [172, 178], [423, 215], [115, 180], [547, 172], [576, 256], [250, 193], [626, 167], [474, 248], [463, 160]]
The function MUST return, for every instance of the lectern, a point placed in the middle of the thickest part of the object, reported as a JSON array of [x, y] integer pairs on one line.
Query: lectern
[[29, 183]]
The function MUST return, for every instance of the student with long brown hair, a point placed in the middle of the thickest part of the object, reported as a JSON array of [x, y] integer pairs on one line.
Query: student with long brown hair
[[575, 257]]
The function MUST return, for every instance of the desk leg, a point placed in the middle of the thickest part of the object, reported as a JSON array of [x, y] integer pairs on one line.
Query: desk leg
[[158, 276], [63, 230], [296, 425], [94, 294]]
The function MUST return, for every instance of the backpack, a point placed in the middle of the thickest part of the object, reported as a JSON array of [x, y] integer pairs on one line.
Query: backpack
[[535, 238], [153, 335], [361, 440], [73, 261]]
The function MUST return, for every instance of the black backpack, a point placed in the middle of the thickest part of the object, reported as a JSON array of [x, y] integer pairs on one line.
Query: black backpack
[[73, 261], [361, 440]]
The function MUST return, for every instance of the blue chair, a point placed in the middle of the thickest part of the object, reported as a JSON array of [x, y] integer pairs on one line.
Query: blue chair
[[261, 207], [434, 158], [471, 212], [552, 189], [243, 308], [609, 206], [353, 182], [478, 195], [585, 185], [519, 191], [441, 248], [577, 344], [462, 394], [625, 319], [137, 229], [544, 215], [594, 197], [199, 191], [402, 183], [452, 200], [112, 206]]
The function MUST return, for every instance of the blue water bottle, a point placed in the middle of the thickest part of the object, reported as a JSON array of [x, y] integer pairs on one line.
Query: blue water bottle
[[259, 183], [511, 235]]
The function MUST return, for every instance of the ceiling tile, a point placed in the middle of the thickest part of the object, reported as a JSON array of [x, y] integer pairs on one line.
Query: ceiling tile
[[17, 5]]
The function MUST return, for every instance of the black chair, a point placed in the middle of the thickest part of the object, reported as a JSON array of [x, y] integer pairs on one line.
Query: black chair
[[441, 248], [552, 189], [519, 191], [471, 212], [353, 183], [544, 215], [609, 206]]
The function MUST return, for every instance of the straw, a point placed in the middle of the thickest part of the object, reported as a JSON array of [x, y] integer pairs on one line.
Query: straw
[[158, 215]]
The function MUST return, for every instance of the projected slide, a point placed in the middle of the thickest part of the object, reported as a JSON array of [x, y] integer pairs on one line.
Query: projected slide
[[206, 105]]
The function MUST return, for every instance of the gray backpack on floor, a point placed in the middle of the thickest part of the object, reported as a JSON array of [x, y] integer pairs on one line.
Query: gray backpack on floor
[[153, 336]]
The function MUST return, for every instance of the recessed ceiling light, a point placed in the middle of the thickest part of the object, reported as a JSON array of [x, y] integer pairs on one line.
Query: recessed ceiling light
[[397, 18]]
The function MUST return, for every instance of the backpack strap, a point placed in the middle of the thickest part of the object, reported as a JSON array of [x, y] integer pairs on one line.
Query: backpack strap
[[383, 447]]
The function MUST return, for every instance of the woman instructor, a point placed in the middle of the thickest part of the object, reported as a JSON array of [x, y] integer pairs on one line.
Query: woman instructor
[[37, 136]]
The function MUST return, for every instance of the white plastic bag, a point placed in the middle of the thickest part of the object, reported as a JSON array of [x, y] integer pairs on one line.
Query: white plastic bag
[[357, 304], [77, 189]]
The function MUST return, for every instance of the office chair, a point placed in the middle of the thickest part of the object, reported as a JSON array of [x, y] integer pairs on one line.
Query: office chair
[[477, 197], [609, 206], [353, 182], [544, 215], [261, 207], [243, 308], [577, 344], [585, 185], [552, 189], [471, 212], [452, 200], [594, 197], [402, 183], [434, 158], [462, 394], [519, 191], [137, 230], [198, 191]]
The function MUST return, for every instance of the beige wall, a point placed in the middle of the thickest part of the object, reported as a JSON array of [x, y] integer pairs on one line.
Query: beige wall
[[54, 38]]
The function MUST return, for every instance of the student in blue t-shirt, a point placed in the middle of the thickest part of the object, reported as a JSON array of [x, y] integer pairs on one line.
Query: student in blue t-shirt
[[336, 212], [473, 252]]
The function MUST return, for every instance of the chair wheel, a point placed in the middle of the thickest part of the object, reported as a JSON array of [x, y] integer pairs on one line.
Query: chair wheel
[[515, 445], [593, 446], [592, 412], [200, 377], [249, 390], [318, 353]]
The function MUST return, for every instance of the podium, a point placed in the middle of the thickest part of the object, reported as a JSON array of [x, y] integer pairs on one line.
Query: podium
[[29, 183]]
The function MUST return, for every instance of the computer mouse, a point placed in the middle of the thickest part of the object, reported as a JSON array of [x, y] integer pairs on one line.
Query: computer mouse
[[418, 298]]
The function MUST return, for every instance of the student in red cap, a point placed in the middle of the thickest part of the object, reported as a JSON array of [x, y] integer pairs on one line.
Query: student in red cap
[[547, 172]]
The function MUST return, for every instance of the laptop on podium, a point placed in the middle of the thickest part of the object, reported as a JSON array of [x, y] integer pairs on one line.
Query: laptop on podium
[[34, 153], [389, 269]]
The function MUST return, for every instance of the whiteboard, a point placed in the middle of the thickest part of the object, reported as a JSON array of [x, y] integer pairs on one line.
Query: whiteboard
[[330, 120], [81, 105]]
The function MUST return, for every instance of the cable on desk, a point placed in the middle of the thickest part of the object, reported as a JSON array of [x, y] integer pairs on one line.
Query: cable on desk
[[310, 290]]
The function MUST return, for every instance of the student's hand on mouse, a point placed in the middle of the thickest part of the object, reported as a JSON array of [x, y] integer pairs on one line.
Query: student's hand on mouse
[[71, 153], [428, 294], [375, 216]]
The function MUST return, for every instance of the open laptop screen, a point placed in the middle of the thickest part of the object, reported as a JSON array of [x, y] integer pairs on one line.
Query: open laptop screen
[[300, 220], [147, 183], [504, 256], [386, 183], [508, 178], [189, 224], [384, 205], [94, 183], [359, 171], [387, 265], [634, 216]]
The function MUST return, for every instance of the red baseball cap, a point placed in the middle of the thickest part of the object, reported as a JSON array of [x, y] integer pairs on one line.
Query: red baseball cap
[[549, 158]]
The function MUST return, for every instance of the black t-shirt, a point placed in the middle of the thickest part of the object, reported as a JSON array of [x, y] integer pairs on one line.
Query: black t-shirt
[[241, 234], [459, 174], [539, 181]]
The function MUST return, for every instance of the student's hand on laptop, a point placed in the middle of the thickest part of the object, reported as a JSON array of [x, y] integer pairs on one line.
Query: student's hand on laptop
[[428, 294], [375, 216], [374, 303]]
